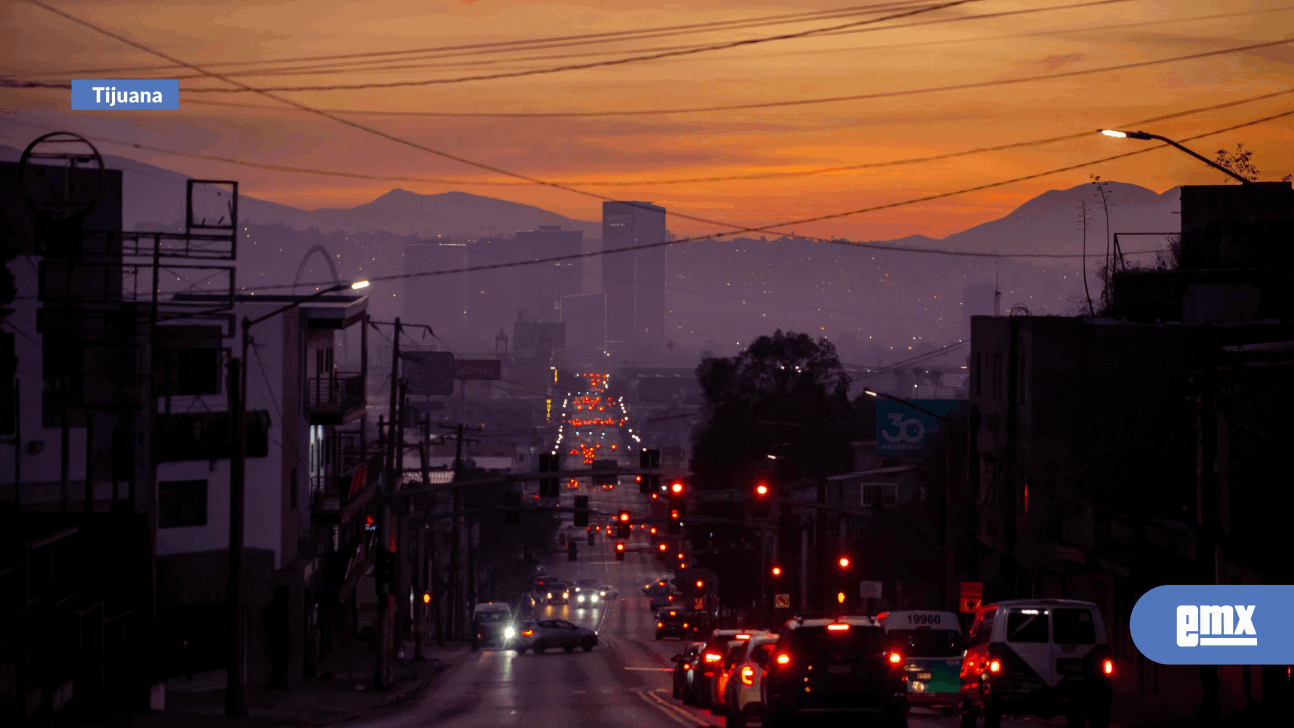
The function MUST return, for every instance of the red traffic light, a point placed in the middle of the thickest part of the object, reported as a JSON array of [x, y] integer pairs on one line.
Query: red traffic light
[[680, 556], [624, 516], [761, 489], [663, 547], [676, 487], [844, 562], [673, 514], [700, 584], [620, 547], [777, 571]]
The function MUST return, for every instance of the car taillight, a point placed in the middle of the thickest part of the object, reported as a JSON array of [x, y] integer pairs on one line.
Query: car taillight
[[1107, 666], [742, 637], [712, 657], [995, 666], [685, 625], [660, 624], [837, 627], [895, 658], [783, 659], [748, 675], [527, 632]]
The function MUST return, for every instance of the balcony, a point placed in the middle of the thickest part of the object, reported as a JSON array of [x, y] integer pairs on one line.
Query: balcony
[[339, 493], [336, 399]]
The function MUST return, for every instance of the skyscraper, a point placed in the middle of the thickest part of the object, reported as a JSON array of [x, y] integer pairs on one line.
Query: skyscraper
[[634, 281]]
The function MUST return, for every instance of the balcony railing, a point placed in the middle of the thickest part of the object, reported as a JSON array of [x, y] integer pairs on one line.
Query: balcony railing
[[335, 397]]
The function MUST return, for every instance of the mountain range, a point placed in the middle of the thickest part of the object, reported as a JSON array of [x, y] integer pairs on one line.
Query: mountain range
[[1049, 223]]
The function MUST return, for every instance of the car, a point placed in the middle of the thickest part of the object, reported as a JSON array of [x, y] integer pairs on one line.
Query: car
[[840, 665], [743, 700], [699, 624], [684, 662], [556, 592], [606, 591], [716, 648], [586, 593], [932, 646], [1037, 657], [735, 655], [542, 634], [494, 625], [671, 623]]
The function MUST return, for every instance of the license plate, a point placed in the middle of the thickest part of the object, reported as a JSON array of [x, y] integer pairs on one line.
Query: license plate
[[840, 669], [923, 676], [1070, 667]]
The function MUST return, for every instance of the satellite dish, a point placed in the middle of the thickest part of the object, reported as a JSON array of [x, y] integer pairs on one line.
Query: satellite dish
[[47, 180]]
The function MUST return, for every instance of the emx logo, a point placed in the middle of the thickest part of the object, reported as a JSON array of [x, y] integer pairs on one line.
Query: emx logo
[[1170, 624], [1224, 624]]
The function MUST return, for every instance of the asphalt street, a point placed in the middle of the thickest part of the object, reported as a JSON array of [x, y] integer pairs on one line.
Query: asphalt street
[[624, 681]]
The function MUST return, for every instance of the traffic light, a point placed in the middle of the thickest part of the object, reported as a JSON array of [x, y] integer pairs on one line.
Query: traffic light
[[777, 571], [623, 527], [549, 486], [648, 482], [620, 552], [570, 550], [581, 511], [384, 571], [676, 490], [844, 562], [675, 522], [761, 499], [663, 547], [512, 501]]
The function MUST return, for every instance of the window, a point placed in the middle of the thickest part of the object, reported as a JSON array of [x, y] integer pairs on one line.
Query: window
[[181, 503], [882, 494], [997, 376], [928, 643], [1074, 627], [1026, 625]]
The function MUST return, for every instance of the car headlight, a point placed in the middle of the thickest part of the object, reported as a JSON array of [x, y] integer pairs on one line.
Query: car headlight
[[509, 632], [602, 594], [580, 599], [593, 598], [566, 595], [550, 595]]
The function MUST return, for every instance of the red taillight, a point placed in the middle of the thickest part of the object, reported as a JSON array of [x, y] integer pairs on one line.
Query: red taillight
[[994, 666], [660, 624], [895, 658], [748, 675], [712, 657], [685, 625], [742, 637], [1107, 666], [837, 627], [783, 659], [527, 632]]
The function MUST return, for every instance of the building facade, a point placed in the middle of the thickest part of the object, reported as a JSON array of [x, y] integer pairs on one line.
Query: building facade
[[634, 281]]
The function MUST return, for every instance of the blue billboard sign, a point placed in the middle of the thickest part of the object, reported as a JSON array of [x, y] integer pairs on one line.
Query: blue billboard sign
[[905, 430]]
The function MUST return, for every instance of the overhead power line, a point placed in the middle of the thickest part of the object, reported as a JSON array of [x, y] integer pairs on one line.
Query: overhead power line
[[678, 180]]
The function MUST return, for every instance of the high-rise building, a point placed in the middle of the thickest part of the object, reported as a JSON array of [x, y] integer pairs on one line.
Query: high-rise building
[[438, 301], [585, 319], [634, 281]]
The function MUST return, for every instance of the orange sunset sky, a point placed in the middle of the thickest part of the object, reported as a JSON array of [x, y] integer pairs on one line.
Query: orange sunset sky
[[274, 44]]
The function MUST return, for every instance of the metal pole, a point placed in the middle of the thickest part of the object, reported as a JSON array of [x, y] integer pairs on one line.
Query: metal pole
[[236, 685], [382, 624], [950, 584], [804, 568]]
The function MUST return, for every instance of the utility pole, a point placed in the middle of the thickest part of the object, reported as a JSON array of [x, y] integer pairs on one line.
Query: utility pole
[[458, 584], [804, 567], [382, 625], [402, 626], [236, 678]]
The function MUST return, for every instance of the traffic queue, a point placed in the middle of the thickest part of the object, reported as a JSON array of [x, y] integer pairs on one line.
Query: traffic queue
[[1034, 657]]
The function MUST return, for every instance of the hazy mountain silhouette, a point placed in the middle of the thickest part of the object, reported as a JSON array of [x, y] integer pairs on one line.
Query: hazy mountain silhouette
[[402, 212]]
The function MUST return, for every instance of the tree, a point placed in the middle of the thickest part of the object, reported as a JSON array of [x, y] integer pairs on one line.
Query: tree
[[1241, 162], [786, 395]]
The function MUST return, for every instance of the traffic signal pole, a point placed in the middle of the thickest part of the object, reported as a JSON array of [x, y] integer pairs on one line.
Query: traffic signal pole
[[382, 624]]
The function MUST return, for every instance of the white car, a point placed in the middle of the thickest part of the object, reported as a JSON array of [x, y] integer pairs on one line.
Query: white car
[[543, 634], [743, 687]]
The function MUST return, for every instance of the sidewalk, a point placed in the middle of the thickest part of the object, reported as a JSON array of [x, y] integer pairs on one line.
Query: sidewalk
[[199, 702]]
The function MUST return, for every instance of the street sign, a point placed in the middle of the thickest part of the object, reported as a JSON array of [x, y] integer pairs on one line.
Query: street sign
[[903, 430], [698, 603], [735, 494], [971, 596], [781, 601], [478, 369], [429, 372], [869, 589]]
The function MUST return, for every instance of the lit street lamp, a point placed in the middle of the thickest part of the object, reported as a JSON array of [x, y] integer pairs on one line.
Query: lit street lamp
[[1145, 136], [236, 673]]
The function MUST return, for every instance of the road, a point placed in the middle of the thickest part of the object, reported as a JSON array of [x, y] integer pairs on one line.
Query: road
[[624, 681]]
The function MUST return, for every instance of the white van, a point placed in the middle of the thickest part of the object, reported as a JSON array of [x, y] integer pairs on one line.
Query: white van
[[1042, 657]]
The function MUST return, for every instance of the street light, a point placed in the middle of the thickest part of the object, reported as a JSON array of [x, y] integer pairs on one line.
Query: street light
[[1145, 136], [948, 482], [236, 676]]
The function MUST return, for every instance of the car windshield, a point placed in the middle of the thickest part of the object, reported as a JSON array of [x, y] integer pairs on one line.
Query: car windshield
[[928, 642], [491, 617], [855, 640]]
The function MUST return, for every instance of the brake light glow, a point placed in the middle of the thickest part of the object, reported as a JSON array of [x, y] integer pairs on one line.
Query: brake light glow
[[895, 658], [748, 675], [712, 657], [837, 628], [783, 659], [1107, 667], [742, 637], [994, 666], [685, 625], [527, 632], [660, 624]]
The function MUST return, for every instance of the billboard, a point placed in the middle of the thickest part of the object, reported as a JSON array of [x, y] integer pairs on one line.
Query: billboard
[[905, 430], [478, 369], [429, 372]]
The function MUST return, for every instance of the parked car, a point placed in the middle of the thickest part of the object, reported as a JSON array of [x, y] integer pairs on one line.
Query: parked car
[[684, 662], [543, 634], [1040, 657]]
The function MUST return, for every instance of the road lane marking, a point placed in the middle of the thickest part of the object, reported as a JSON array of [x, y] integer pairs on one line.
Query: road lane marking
[[676, 710], [673, 716]]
